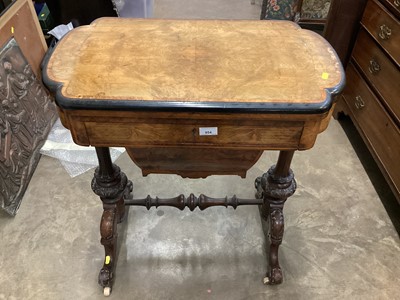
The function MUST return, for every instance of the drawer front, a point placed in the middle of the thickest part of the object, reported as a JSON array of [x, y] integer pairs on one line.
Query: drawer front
[[379, 70], [394, 6], [384, 27], [378, 128], [269, 135]]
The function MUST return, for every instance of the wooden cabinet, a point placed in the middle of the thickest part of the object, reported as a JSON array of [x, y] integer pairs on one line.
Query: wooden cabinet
[[372, 95]]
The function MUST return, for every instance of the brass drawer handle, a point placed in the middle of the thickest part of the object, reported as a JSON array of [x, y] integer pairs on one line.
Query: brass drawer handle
[[396, 3], [374, 66], [385, 32], [359, 103]]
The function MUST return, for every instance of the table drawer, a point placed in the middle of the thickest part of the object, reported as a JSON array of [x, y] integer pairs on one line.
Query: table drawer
[[265, 135], [384, 28], [377, 127], [379, 70]]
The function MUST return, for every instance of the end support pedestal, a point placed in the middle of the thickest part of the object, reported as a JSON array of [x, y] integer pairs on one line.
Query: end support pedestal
[[275, 187], [113, 188]]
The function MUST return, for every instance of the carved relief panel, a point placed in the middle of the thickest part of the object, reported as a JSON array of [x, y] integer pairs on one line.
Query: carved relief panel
[[26, 116]]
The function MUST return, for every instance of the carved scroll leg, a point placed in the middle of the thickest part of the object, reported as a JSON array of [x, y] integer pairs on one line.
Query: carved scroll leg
[[278, 184], [113, 187], [108, 231]]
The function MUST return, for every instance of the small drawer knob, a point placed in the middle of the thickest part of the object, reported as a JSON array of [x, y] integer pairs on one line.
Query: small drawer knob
[[385, 32], [359, 103], [396, 3], [374, 66]]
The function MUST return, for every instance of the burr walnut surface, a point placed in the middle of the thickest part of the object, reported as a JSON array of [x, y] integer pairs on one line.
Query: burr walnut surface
[[195, 61]]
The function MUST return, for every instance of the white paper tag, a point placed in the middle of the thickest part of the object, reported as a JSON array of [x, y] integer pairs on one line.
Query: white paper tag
[[208, 131]]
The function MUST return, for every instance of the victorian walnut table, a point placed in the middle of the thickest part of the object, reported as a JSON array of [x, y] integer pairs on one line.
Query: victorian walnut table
[[194, 98]]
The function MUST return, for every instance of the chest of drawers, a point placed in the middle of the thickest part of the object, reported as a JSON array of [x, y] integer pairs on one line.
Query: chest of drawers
[[372, 95]]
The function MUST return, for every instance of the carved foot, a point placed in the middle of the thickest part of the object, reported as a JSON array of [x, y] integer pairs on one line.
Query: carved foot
[[275, 276], [105, 277], [105, 280]]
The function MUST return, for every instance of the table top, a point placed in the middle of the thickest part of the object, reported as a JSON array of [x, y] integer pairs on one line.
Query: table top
[[230, 65]]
